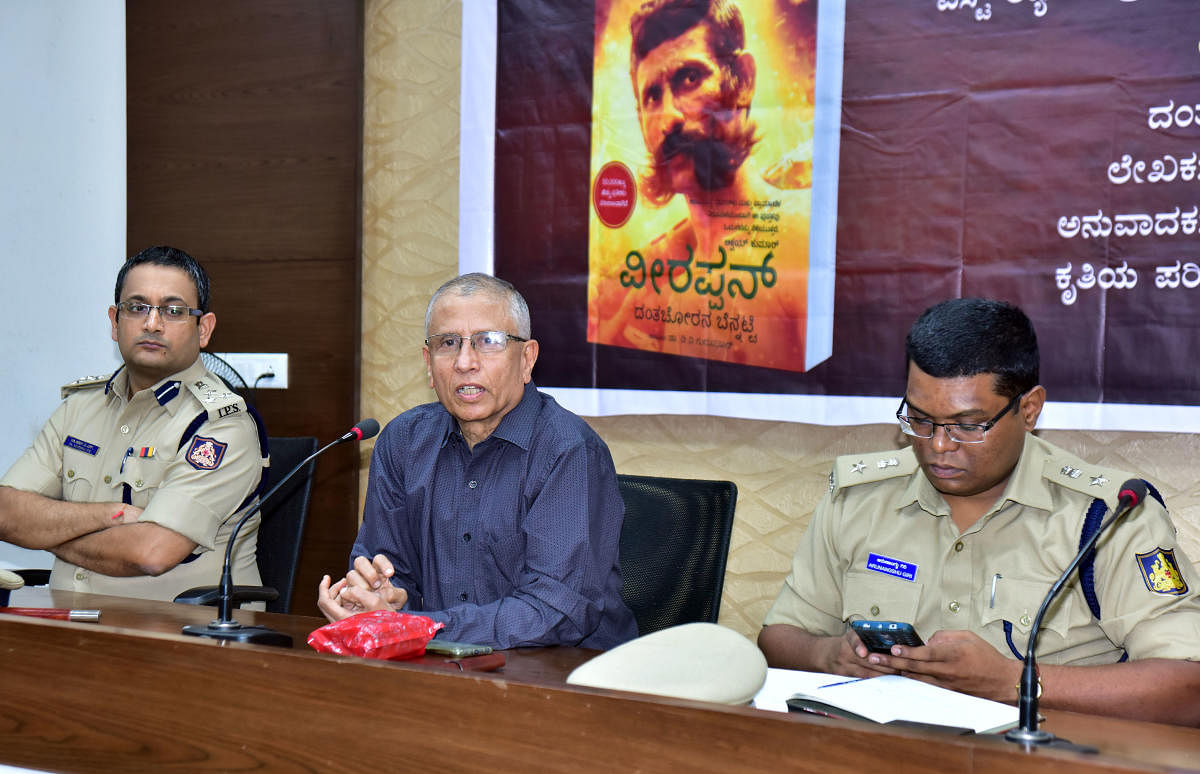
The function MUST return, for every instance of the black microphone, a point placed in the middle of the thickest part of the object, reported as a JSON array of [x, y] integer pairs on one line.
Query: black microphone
[[1132, 493], [224, 627]]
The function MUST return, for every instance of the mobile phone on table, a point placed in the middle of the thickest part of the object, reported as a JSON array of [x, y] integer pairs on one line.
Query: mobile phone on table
[[880, 636], [456, 649]]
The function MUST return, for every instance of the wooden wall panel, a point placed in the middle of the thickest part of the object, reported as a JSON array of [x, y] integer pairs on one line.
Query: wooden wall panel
[[244, 127]]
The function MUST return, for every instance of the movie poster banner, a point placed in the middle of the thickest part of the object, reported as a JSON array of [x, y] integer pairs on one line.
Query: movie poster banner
[[701, 189], [1039, 151]]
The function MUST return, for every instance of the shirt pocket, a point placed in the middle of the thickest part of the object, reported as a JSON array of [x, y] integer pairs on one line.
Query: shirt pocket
[[83, 478], [1017, 601], [874, 596], [143, 475], [505, 550]]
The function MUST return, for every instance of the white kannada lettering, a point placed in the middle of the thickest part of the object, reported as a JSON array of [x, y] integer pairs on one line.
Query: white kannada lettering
[[1068, 227], [1087, 279], [1100, 226], [1167, 116], [1133, 225], [1062, 280], [1166, 276]]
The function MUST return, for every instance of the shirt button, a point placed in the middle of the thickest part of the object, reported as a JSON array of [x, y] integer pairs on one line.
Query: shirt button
[[472, 484], [467, 537], [80, 576], [125, 429], [137, 483], [953, 606], [463, 596], [1026, 620], [70, 474], [874, 609], [958, 546], [108, 479]]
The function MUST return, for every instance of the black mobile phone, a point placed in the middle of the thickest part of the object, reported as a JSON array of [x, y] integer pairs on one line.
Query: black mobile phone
[[880, 636], [456, 649]]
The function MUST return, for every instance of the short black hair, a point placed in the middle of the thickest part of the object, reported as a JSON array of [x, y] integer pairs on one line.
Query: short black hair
[[658, 21], [161, 255], [971, 336]]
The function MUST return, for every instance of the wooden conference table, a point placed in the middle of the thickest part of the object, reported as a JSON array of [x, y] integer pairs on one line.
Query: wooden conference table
[[131, 693]]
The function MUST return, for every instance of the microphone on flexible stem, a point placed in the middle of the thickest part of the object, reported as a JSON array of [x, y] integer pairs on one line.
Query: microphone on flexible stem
[[224, 627], [1132, 493]]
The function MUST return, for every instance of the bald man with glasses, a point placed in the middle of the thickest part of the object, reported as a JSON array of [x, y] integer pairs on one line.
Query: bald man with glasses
[[963, 533], [493, 510]]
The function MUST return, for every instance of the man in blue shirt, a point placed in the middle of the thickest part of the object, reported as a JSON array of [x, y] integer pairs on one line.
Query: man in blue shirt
[[494, 510]]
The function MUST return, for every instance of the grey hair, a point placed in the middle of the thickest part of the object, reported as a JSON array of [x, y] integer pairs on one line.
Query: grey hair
[[477, 283]]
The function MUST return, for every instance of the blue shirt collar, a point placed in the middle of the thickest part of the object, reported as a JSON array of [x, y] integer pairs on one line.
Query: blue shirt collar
[[516, 426]]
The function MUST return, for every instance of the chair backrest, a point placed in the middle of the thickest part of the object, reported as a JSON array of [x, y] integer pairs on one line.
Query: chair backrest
[[673, 549], [283, 517]]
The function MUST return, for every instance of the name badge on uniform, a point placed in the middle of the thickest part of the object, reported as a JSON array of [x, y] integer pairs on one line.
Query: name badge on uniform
[[206, 453], [894, 567], [80, 445], [1161, 573]]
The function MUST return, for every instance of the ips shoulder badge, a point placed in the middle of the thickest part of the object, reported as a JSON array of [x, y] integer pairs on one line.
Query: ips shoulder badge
[[1161, 572], [206, 453]]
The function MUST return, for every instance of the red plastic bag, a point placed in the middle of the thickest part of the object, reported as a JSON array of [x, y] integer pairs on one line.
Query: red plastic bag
[[382, 634]]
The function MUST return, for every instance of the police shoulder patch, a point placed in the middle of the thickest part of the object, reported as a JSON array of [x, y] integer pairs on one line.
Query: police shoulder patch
[[216, 398], [851, 469], [83, 383], [1073, 473], [206, 453], [1161, 572]]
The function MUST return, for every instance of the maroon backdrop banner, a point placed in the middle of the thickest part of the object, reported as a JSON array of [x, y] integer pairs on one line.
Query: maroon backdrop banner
[[1043, 152]]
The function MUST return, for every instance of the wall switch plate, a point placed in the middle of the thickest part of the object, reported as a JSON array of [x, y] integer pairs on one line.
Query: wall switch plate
[[253, 365]]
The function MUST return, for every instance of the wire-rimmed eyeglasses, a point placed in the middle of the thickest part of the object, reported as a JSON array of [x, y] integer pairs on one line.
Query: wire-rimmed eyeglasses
[[483, 342], [959, 432], [170, 312]]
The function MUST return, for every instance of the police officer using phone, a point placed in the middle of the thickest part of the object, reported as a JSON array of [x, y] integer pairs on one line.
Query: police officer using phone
[[962, 534]]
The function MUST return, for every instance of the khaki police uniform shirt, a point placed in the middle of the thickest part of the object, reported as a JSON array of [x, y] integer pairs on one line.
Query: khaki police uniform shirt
[[882, 545], [100, 447]]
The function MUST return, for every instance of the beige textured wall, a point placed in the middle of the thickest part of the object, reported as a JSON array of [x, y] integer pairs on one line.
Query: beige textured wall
[[410, 236], [410, 190]]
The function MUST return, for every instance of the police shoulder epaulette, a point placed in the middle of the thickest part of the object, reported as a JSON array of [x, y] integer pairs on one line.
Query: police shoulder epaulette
[[84, 383], [216, 398], [852, 469], [1069, 471]]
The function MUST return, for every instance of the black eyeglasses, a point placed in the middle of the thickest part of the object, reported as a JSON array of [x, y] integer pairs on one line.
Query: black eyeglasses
[[170, 312], [484, 342], [959, 432]]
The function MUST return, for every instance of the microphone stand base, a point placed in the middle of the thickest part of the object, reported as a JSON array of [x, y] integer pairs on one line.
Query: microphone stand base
[[1040, 738], [256, 635], [1025, 736]]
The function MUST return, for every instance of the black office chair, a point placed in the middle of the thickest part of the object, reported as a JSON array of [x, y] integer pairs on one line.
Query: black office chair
[[11, 580], [673, 548], [280, 531], [34, 577], [283, 518]]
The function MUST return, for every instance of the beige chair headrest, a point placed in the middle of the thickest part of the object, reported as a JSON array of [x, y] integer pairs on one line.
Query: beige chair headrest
[[702, 661]]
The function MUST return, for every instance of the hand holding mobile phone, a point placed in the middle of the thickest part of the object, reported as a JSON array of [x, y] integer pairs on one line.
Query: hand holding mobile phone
[[880, 636]]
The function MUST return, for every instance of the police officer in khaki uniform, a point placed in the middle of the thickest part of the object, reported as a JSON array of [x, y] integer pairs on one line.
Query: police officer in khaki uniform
[[131, 483], [963, 534]]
